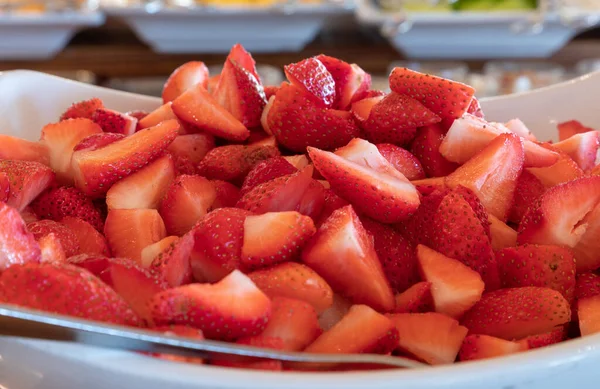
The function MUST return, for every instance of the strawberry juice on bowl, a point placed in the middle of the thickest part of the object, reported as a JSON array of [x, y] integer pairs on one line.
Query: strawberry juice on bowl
[[399, 305]]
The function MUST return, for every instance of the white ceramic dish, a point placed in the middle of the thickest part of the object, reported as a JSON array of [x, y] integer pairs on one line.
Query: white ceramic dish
[[28, 100]]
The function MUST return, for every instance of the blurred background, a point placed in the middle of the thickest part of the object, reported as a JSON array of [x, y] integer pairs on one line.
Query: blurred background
[[498, 46]]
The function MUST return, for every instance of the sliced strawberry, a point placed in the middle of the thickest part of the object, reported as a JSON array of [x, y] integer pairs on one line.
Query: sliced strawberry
[[518, 127], [233, 162], [331, 202], [564, 170], [350, 80], [588, 316], [90, 240], [582, 148], [427, 186], [192, 147], [431, 337], [150, 252], [402, 160], [218, 240], [516, 313], [183, 331], [173, 264], [475, 108], [65, 289], [198, 108], [267, 170], [502, 235], [227, 194], [82, 109], [159, 115], [55, 204], [239, 54], [28, 215], [4, 187], [570, 128], [419, 227], [274, 237], [270, 90], [588, 285], [455, 287], [529, 189], [255, 363], [97, 141], [51, 249], [361, 109], [483, 346], [67, 238], [446, 98], [313, 200], [426, 148], [416, 299], [232, 308], [492, 174], [114, 121], [187, 200], [295, 281], [17, 244], [128, 231], [311, 75], [23, 150], [139, 115], [98, 265], [297, 122], [335, 313], [299, 161], [343, 253], [96, 171], [587, 250], [477, 207], [557, 335], [261, 138], [183, 78], [264, 117], [395, 120], [367, 94]]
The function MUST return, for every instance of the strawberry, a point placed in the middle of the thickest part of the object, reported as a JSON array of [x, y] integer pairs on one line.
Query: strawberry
[[186, 200], [297, 122], [587, 249], [114, 121], [23, 150], [299, 161], [159, 115], [96, 171], [361, 109], [402, 160], [582, 148], [173, 264], [518, 127], [97, 141], [182, 331], [4, 187], [267, 170], [28, 215], [383, 194], [350, 80], [331, 202], [564, 170], [139, 115], [239, 54], [274, 237], [227, 194], [427, 186], [294, 322], [294, 281], [446, 98], [542, 340], [82, 109], [255, 363], [335, 313], [233, 162], [483, 346], [192, 147], [183, 78], [492, 174], [264, 117], [198, 108], [361, 330], [431, 337], [90, 240], [516, 313], [395, 120], [529, 189], [218, 240], [538, 265], [212, 83], [588, 302], [426, 147], [396, 254], [588, 285], [260, 138], [240, 93], [455, 287], [55, 204], [150, 252], [67, 238], [477, 207], [570, 128], [343, 253], [416, 299], [98, 265], [502, 235], [313, 77], [475, 108], [230, 309], [64, 289], [128, 231], [270, 90], [17, 244], [419, 227], [51, 249]]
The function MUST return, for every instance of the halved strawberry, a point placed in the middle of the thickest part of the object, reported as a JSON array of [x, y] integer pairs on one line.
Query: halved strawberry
[[529, 189], [343, 253], [483, 346], [274, 237], [516, 313], [96, 171], [295, 281], [455, 287], [186, 200], [192, 147], [402, 160], [569, 128], [150, 252], [427, 186], [97, 141], [557, 335], [183, 78], [350, 80], [361, 109], [492, 174], [431, 337], [128, 231], [502, 235], [395, 120], [159, 115], [311, 75], [143, 189], [233, 162], [51, 249], [96, 264], [198, 108], [55, 204], [475, 108], [582, 148], [297, 122], [82, 109], [23, 150], [416, 299], [65, 289], [564, 170], [90, 240], [173, 264], [267, 170], [218, 240], [232, 308], [426, 148], [446, 98], [17, 244], [67, 238], [113, 121], [227, 194]]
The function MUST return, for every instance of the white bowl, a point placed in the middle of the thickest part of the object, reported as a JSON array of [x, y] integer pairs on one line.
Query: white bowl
[[28, 100]]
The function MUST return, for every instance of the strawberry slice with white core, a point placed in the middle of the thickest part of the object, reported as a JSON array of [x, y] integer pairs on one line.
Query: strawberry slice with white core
[[583, 148], [183, 78], [23, 150], [361, 109], [150, 252], [26, 181], [564, 170], [17, 244], [115, 122], [311, 75], [416, 299], [52, 250], [159, 115], [518, 127]]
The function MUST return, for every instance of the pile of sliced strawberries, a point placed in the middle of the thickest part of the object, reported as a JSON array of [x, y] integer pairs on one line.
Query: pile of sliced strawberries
[[318, 216]]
